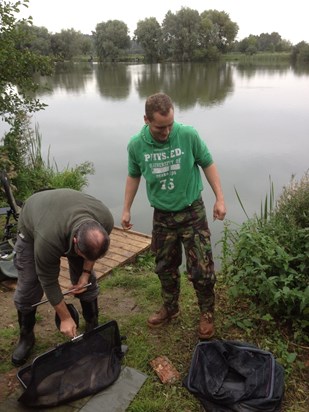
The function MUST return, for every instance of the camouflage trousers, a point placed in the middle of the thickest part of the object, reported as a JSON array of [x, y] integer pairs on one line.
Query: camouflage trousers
[[189, 228]]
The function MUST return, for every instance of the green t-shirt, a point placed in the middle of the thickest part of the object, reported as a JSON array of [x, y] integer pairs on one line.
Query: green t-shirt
[[171, 169]]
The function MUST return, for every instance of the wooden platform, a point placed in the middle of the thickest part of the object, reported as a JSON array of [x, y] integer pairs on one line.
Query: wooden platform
[[124, 248]]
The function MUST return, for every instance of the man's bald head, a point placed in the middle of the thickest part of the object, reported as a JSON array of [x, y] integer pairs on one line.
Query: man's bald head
[[92, 240]]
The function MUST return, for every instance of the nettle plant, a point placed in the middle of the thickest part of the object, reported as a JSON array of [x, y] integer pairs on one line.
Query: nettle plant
[[266, 258]]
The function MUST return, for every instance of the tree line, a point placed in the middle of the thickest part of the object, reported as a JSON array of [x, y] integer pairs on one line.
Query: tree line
[[185, 35]]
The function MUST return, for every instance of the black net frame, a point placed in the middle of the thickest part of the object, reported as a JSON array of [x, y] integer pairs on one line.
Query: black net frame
[[73, 370], [229, 376]]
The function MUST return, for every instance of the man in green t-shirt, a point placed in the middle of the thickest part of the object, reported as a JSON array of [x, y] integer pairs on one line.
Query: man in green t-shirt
[[52, 224], [170, 155]]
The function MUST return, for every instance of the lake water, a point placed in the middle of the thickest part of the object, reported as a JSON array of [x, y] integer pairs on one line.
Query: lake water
[[254, 119]]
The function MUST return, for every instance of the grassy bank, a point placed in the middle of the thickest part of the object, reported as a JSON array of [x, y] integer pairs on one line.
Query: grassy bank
[[130, 294], [178, 339]]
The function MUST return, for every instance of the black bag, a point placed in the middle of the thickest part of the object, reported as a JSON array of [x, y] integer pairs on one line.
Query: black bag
[[230, 376], [73, 370]]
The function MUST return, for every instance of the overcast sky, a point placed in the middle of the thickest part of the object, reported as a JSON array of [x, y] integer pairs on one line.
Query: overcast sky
[[288, 18]]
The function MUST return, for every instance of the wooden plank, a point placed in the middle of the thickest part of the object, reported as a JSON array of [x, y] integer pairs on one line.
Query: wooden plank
[[123, 240], [124, 248]]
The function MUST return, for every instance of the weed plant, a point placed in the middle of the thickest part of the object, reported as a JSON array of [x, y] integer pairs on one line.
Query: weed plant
[[266, 259]]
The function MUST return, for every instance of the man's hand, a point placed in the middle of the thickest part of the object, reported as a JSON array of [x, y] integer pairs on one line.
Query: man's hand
[[219, 211], [68, 327], [212, 176], [82, 281], [132, 184], [125, 221]]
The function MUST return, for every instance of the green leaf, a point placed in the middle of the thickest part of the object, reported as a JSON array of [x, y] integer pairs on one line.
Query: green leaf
[[291, 357]]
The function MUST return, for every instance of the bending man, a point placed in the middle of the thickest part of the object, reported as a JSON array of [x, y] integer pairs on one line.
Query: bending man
[[52, 224]]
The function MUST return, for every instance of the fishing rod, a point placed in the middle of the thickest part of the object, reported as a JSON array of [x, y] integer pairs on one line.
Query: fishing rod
[[64, 293]]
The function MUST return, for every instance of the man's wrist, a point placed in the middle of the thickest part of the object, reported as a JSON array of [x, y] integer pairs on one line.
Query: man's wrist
[[87, 271]]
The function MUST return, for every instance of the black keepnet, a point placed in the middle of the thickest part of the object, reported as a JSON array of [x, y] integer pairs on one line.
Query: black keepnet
[[228, 376], [73, 370]]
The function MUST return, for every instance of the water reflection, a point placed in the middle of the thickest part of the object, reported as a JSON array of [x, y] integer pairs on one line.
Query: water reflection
[[301, 70], [69, 77], [188, 83], [251, 70], [113, 80], [253, 118]]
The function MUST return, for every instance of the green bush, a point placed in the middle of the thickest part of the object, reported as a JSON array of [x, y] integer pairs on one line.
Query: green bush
[[267, 260], [292, 206], [21, 158]]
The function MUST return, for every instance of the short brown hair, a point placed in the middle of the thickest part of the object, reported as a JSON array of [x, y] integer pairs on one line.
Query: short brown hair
[[158, 103]]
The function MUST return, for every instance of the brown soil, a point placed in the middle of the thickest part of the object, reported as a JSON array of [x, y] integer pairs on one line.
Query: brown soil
[[113, 304]]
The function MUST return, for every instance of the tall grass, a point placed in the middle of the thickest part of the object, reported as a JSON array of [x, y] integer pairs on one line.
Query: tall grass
[[267, 207], [21, 157]]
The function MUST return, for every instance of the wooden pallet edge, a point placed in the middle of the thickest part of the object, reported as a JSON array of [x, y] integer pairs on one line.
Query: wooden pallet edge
[[133, 232]]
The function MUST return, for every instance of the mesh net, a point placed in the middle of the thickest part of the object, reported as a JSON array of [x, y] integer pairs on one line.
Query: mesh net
[[229, 376], [75, 369]]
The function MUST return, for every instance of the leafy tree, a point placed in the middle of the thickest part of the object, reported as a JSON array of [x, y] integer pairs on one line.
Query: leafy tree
[[187, 35], [208, 40], [111, 39], [149, 35], [17, 66], [268, 42], [180, 33], [222, 31], [136, 48], [67, 44], [248, 45], [265, 42], [36, 39], [300, 53], [87, 44], [285, 45], [64, 45], [272, 42], [20, 60]]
